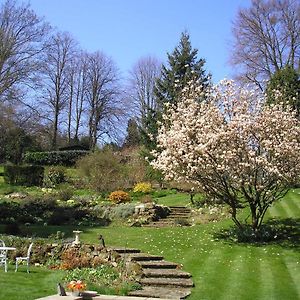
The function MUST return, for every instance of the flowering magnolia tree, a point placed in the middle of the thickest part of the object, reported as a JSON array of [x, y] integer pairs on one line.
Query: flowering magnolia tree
[[236, 149]]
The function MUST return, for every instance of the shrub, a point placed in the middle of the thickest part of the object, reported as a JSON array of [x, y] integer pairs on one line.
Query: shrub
[[9, 212], [72, 258], [182, 222], [103, 170], [123, 211], [142, 187], [54, 176], [146, 199], [119, 197], [23, 175], [65, 193], [66, 158]]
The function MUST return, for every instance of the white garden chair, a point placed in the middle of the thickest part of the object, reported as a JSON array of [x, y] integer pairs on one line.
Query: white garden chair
[[25, 258], [3, 256]]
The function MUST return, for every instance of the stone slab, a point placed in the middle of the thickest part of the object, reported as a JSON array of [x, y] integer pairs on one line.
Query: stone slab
[[166, 293], [57, 297], [170, 273], [176, 282], [99, 297]]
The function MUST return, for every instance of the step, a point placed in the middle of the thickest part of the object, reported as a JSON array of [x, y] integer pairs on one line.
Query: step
[[162, 292], [173, 216], [145, 257], [125, 250], [159, 264], [184, 210], [174, 282], [169, 273]]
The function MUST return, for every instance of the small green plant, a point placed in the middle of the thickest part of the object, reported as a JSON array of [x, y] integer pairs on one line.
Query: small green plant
[[65, 193], [54, 176], [143, 187], [119, 197], [123, 211], [146, 199]]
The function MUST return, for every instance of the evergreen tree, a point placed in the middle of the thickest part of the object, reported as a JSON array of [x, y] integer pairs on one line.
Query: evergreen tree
[[183, 66], [133, 137], [284, 86]]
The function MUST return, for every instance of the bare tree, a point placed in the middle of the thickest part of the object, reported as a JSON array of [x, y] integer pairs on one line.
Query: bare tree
[[103, 97], [77, 95], [21, 41], [141, 85], [56, 74], [266, 39]]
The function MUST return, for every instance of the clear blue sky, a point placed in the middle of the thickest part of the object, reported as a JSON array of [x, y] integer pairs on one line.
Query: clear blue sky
[[127, 30]]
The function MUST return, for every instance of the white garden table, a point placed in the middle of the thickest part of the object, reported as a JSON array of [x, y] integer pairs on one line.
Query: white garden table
[[5, 248]]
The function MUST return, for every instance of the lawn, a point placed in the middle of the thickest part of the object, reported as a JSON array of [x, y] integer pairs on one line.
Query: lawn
[[220, 269]]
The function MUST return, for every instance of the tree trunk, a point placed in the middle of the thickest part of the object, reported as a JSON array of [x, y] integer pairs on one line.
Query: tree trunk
[[55, 126]]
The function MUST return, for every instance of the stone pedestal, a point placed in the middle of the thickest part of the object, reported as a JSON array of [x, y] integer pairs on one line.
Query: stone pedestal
[[77, 240]]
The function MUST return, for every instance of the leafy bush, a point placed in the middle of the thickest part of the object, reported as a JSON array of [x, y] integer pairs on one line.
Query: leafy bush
[[72, 258], [104, 171], [54, 176], [65, 193], [23, 175], [66, 158], [142, 187], [119, 197], [182, 222], [9, 212]]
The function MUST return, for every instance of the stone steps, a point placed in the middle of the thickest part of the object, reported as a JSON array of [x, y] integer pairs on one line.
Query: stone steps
[[160, 278], [176, 213]]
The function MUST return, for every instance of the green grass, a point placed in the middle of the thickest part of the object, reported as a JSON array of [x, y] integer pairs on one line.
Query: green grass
[[221, 269], [22, 286], [180, 199]]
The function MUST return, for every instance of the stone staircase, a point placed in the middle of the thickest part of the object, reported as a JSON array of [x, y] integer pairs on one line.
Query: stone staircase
[[159, 278], [179, 215]]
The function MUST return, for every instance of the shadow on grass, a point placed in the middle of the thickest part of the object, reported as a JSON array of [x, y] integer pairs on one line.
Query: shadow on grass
[[282, 232]]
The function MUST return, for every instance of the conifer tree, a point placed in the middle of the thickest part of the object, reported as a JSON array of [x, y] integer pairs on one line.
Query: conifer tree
[[284, 86], [183, 66], [133, 137]]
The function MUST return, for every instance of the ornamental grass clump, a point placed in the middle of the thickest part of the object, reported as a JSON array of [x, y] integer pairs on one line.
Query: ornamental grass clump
[[119, 197]]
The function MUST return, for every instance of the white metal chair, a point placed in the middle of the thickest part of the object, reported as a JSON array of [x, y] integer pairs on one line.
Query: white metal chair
[[3, 256], [25, 258]]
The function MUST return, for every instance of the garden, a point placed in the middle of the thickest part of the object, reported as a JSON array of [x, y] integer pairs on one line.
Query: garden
[[224, 264], [159, 183]]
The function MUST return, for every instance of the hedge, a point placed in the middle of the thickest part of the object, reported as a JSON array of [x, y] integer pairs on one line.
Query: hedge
[[65, 158], [23, 175]]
